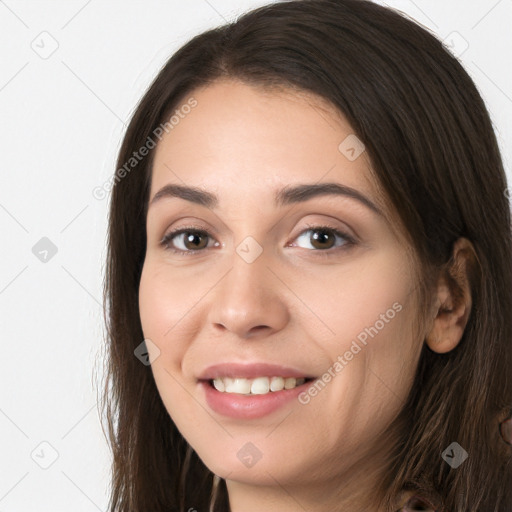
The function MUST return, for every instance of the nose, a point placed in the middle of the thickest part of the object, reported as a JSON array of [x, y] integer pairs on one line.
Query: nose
[[249, 300]]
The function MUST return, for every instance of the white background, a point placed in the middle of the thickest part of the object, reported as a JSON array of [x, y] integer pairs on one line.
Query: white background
[[62, 120]]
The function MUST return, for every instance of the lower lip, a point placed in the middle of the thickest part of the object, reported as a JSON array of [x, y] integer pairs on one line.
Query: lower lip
[[247, 407]]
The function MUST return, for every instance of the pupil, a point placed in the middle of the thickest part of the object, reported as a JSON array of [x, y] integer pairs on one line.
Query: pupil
[[192, 238], [322, 237]]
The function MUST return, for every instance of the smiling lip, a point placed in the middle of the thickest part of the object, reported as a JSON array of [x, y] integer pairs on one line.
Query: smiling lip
[[239, 406]]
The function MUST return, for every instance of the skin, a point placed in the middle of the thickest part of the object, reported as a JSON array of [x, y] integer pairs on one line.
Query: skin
[[290, 306]]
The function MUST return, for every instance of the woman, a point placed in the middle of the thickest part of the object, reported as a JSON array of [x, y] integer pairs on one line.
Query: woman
[[308, 275]]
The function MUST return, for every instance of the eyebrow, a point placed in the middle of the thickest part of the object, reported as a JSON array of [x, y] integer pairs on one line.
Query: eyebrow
[[283, 197]]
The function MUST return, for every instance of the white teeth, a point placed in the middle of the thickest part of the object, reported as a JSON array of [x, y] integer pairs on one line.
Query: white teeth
[[242, 386], [277, 384], [219, 385], [258, 386]]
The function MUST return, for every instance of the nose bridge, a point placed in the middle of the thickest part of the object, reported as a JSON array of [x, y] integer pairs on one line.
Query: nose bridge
[[248, 298]]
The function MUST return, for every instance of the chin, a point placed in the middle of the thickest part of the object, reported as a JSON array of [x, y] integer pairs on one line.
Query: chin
[[243, 462]]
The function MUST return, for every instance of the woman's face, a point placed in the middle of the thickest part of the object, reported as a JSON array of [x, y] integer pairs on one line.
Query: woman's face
[[273, 290]]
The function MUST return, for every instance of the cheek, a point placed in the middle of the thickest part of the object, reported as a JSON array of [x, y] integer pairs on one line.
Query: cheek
[[369, 295], [369, 342], [166, 307], [366, 316], [163, 302]]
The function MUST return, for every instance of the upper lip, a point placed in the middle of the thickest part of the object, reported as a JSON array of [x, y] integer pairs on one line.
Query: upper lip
[[250, 371]]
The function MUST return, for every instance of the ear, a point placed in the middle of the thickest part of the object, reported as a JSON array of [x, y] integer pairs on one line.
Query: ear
[[453, 301]]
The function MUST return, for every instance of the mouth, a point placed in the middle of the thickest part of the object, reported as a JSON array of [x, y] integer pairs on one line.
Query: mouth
[[247, 391], [256, 386]]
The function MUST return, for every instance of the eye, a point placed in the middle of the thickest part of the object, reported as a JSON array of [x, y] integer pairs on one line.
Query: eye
[[188, 239], [323, 239]]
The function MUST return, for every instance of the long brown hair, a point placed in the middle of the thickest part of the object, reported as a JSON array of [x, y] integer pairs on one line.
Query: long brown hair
[[435, 156]]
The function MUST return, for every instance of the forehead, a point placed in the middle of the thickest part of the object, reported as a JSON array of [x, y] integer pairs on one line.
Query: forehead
[[246, 139]]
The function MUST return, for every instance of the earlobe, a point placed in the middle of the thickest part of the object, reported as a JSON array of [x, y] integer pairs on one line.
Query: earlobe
[[453, 296]]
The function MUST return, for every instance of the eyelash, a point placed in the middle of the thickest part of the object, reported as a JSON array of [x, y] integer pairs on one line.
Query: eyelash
[[349, 241]]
